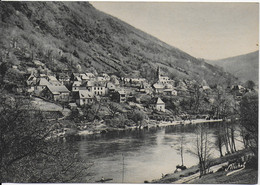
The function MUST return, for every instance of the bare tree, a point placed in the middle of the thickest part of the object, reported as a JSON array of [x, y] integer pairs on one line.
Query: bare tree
[[180, 149], [28, 152], [202, 148]]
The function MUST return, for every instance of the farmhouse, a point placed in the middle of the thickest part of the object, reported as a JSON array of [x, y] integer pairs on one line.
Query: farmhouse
[[56, 93]]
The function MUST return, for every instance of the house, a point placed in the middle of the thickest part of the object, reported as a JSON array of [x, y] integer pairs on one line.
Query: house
[[84, 97], [75, 77], [119, 96], [97, 88], [31, 80], [164, 79], [145, 88], [56, 93], [106, 76], [170, 92], [91, 76], [84, 77], [161, 78], [159, 105], [40, 85], [76, 86], [63, 78], [110, 87]]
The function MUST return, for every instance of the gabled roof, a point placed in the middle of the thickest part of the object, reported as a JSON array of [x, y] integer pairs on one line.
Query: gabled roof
[[76, 83], [42, 82], [159, 101], [85, 94], [57, 89]]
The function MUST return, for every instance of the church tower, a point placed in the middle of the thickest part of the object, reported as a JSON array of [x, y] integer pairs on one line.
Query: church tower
[[158, 73]]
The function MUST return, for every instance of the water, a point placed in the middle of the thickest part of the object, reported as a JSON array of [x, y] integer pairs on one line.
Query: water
[[137, 156]]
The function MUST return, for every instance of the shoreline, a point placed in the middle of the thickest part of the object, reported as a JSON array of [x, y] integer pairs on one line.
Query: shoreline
[[192, 173]]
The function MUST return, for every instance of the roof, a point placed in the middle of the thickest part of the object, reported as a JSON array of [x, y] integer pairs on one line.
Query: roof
[[111, 85], [90, 74], [76, 83], [52, 78], [159, 101], [84, 76], [158, 86], [122, 92], [42, 82], [85, 94], [57, 89]]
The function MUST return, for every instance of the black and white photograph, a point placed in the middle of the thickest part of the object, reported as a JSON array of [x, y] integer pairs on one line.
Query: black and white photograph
[[129, 92]]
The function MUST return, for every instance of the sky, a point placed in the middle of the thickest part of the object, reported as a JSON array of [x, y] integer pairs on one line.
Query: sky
[[204, 30]]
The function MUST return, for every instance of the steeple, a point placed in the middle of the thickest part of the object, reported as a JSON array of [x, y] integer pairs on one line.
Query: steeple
[[158, 72]]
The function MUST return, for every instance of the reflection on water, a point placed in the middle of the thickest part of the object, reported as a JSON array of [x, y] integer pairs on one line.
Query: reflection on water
[[133, 157]]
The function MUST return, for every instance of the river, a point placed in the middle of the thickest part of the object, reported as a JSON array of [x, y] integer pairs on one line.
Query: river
[[136, 156]]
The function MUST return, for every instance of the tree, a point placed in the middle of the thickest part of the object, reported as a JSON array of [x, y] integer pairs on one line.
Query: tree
[[202, 148], [181, 140], [28, 151], [249, 120], [137, 116], [114, 108], [250, 84], [219, 142]]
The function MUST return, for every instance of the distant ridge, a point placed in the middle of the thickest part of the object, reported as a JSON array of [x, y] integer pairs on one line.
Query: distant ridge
[[245, 67]]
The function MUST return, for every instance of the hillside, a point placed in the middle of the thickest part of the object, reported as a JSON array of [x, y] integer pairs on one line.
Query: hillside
[[245, 67], [74, 36]]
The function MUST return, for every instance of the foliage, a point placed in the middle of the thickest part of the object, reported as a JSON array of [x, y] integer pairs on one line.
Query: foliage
[[249, 120], [28, 153]]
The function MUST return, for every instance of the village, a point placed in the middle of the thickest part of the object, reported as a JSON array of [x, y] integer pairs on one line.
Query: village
[[156, 100]]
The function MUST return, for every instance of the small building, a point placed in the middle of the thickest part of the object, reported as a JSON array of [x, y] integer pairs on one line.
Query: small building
[[56, 93], [110, 87], [119, 96], [170, 92], [76, 86], [97, 88], [84, 97], [160, 105], [40, 85], [31, 80]]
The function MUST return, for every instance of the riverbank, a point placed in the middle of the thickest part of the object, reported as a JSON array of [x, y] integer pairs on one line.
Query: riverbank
[[99, 128], [191, 175]]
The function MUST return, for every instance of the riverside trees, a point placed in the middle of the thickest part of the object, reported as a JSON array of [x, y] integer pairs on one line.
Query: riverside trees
[[28, 152], [202, 148]]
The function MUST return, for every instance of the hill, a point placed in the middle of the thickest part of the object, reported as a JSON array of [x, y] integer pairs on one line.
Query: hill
[[74, 36], [245, 67]]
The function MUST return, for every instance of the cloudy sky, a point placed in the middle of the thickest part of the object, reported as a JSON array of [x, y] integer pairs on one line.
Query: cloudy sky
[[204, 30]]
